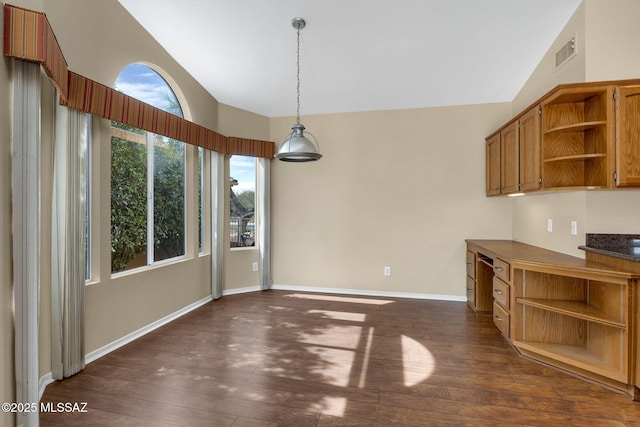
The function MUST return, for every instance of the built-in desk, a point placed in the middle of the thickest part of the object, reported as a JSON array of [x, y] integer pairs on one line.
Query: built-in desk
[[576, 314]]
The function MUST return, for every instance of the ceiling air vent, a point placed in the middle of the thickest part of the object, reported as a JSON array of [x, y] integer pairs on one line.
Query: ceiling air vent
[[566, 52]]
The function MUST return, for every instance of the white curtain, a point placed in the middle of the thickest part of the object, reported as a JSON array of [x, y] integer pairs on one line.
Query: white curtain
[[26, 232], [264, 222], [218, 182], [68, 242]]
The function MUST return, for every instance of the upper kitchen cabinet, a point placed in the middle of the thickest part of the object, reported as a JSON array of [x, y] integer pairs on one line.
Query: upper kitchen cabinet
[[493, 165], [529, 150], [509, 159], [513, 156], [578, 138], [628, 135]]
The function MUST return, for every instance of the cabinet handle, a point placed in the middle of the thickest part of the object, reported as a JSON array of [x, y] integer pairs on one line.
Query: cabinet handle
[[498, 269], [469, 264], [498, 318], [497, 291], [469, 291]]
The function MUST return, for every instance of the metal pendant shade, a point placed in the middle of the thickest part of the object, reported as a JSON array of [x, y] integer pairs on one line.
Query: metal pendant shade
[[296, 146]]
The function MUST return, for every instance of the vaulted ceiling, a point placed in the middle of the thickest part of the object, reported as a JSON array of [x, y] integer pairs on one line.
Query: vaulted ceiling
[[356, 55]]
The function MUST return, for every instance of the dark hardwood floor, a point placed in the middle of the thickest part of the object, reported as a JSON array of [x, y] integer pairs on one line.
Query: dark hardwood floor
[[289, 358]]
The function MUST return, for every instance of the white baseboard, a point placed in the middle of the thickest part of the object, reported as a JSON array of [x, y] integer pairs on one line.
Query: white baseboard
[[241, 290], [102, 351], [369, 293], [45, 380]]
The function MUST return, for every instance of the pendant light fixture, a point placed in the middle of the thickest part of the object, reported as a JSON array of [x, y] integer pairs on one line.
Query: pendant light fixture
[[296, 147]]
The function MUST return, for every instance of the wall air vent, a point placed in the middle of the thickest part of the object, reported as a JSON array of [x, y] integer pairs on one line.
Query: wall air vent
[[566, 52]]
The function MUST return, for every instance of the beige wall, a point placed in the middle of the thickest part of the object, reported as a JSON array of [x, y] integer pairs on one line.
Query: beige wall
[[612, 39], [607, 49], [394, 188], [531, 212], [7, 375]]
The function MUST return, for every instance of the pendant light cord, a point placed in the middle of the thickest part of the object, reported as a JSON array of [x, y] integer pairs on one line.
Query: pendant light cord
[[298, 77]]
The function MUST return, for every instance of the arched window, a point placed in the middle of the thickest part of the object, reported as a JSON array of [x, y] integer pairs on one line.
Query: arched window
[[147, 180]]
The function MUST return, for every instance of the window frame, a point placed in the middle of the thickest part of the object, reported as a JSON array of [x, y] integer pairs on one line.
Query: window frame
[[150, 196], [255, 206]]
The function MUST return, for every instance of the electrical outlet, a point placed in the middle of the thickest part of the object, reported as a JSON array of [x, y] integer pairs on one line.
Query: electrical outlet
[[549, 225], [387, 271], [254, 266], [574, 228]]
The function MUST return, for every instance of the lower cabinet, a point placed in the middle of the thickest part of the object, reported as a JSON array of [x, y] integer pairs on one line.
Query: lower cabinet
[[501, 289], [501, 318], [579, 323], [478, 271], [564, 311]]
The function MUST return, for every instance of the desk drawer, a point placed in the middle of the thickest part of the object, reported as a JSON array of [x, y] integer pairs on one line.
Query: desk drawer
[[501, 292], [501, 319], [501, 270], [471, 291], [471, 264]]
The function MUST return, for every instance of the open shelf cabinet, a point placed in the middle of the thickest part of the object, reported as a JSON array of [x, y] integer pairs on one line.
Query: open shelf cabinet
[[578, 138], [578, 322]]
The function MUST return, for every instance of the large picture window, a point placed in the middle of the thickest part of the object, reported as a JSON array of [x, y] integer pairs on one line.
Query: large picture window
[[147, 180]]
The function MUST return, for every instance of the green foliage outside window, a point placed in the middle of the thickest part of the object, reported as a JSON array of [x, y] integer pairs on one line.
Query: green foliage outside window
[[129, 200], [168, 193]]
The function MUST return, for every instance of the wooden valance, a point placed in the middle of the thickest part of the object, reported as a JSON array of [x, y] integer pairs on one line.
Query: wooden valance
[[28, 36]]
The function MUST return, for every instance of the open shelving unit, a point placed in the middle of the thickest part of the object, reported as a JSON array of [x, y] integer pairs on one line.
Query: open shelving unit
[[577, 138], [578, 323]]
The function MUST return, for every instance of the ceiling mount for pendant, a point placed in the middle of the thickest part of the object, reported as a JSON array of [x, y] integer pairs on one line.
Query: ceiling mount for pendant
[[296, 147], [298, 23]]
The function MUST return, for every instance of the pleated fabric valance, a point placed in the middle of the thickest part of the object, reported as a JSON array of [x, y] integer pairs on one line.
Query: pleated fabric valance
[[28, 36]]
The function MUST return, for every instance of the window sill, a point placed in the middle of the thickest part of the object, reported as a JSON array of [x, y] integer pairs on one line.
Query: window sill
[[157, 265]]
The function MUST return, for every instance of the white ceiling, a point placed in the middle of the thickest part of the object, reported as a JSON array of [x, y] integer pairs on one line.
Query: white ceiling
[[356, 55]]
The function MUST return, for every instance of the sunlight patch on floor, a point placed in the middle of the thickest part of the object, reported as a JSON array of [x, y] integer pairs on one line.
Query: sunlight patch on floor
[[412, 350], [334, 365], [333, 336], [365, 361], [340, 315], [334, 406], [341, 299]]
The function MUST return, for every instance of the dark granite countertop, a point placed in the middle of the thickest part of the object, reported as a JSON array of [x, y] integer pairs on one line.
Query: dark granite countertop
[[625, 246]]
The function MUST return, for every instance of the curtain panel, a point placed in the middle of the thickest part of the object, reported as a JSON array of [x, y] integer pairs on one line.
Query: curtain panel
[[264, 223], [218, 182], [25, 192], [29, 36], [68, 243]]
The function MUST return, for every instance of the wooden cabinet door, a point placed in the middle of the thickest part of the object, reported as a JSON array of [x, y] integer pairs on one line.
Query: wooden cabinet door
[[530, 155], [510, 159], [493, 165], [628, 136]]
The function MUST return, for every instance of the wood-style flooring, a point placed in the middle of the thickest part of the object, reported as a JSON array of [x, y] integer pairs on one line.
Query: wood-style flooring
[[298, 359]]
